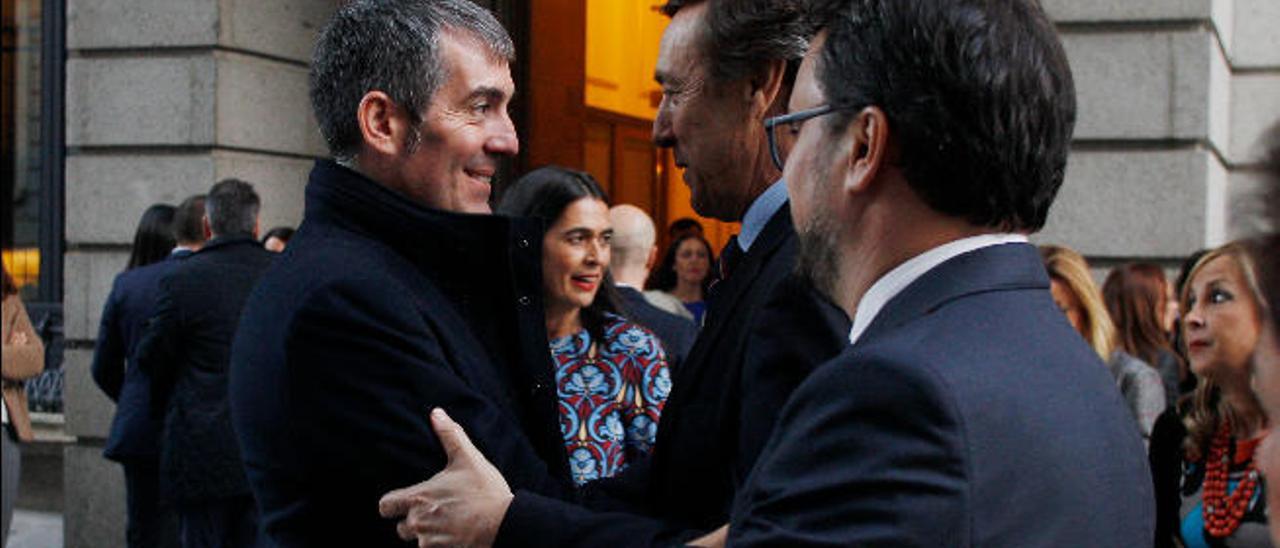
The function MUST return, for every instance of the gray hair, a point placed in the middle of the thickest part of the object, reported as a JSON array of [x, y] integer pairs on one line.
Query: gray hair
[[394, 47], [742, 36], [232, 208]]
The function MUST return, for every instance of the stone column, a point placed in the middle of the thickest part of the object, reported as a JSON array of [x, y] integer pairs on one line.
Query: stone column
[[165, 97], [1173, 95]]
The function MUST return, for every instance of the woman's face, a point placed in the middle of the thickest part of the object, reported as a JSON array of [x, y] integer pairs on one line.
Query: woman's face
[[575, 253], [1067, 302], [1221, 322], [693, 261]]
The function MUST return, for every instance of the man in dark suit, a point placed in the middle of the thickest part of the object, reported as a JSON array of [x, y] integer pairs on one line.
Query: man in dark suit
[[763, 334], [634, 250], [931, 138], [399, 293], [135, 431], [186, 352]]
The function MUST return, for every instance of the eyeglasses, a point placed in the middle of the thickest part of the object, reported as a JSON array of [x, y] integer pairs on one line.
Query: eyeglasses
[[795, 118]]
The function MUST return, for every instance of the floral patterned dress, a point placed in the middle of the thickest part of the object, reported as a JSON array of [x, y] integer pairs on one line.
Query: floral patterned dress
[[611, 395]]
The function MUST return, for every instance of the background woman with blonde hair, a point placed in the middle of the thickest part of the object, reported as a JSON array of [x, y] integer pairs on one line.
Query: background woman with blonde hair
[[1208, 489], [1075, 293]]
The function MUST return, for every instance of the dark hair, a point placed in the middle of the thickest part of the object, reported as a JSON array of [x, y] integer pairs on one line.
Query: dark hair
[[978, 93], [282, 233], [393, 47], [742, 36], [188, 220], [683, 224], [153, 240], [544, 194], [9, 287], [1134, 294], [664, 277], [232, 208]]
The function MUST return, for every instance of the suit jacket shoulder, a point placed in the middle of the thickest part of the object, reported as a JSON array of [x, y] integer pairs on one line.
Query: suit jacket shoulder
[[953, 401]]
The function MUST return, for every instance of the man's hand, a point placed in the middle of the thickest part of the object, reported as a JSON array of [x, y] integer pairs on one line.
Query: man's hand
[[714, 539], [463, 505]]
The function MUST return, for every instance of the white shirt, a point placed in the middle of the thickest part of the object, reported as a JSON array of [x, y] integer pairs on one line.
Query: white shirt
[[892, 283]]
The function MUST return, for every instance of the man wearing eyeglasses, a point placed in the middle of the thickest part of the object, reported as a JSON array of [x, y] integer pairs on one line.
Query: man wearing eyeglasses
[[966, 412], [724, 66]]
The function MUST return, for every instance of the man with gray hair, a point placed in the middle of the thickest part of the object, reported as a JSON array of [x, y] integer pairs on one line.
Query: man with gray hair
[[399, 293], [724, 66], [185, 350]]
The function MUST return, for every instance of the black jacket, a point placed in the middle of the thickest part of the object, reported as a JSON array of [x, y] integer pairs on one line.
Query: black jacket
[[186, 349], [677, 334], [378, 311], [765, 331], [135, 430]]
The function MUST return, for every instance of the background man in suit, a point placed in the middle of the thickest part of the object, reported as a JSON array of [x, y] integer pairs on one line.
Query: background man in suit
[[635, 249], [134, 440], [932, 137], [724, 65], [186, 352], [398, 293]]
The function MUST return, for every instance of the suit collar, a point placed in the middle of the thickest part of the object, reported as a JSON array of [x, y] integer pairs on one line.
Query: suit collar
[[467, 243], [227, 241], [764, 208], [995, 268]]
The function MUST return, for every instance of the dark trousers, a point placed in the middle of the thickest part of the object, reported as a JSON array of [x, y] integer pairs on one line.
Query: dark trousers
[[152, 524], [226, 523]]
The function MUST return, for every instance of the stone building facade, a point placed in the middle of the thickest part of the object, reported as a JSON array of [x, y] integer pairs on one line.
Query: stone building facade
[[163, 97]]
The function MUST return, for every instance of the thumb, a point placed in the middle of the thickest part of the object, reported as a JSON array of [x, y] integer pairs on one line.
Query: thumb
[[452, 437]]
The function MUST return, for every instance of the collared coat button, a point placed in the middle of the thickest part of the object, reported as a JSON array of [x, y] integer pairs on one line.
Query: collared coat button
[[524, 300], [537, 387], [523, 243]]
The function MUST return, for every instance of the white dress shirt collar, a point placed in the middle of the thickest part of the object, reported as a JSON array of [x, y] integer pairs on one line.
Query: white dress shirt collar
[[892, 283]]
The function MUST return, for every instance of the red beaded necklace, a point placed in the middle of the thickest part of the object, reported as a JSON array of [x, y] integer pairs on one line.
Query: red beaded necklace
[[1223, 513]]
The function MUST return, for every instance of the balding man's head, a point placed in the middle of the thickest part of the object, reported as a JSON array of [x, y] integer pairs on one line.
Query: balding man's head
[[633, 242]]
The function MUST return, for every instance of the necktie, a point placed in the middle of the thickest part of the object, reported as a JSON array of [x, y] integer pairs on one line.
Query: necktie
[[730, 256]]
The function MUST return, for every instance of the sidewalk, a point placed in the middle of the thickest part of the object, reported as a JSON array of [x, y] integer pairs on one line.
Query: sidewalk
[[35, 530]]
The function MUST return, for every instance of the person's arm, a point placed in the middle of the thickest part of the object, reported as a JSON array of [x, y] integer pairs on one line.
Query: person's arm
[[23, 350], [159, 352], [109, 352], [1148, 400], [1165, 457], [363, 372], [867, 453]]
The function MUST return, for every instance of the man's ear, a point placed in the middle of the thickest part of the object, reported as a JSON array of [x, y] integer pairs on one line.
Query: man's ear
[[383, 124], [868, 140], [766, 85], [652, 259], [206, 228]]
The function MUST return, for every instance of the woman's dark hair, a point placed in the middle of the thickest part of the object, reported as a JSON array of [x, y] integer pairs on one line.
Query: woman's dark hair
[[10, 287], [545, 193], [664, 277], [1135, 293], [282, 233], [153, 240]]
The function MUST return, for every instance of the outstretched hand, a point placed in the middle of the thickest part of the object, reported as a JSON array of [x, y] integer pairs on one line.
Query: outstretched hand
[[463, 505]]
